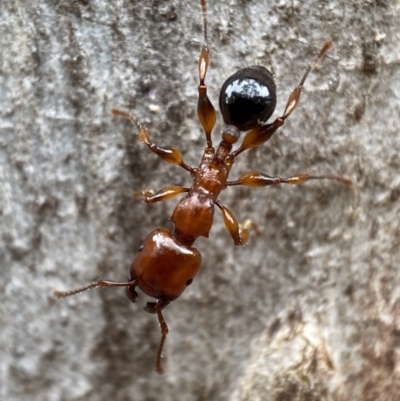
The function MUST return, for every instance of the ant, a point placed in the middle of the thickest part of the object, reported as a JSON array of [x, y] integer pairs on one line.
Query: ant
[[167, 262]]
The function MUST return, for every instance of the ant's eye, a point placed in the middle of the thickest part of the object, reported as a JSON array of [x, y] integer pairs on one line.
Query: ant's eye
[[248, 97]]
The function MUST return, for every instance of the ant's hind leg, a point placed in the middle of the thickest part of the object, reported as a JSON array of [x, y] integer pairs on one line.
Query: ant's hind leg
[[205, 109], [258, 136], [169, 154], [294, 97]]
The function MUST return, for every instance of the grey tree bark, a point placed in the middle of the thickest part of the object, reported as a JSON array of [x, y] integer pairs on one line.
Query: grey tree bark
[[308, 310]]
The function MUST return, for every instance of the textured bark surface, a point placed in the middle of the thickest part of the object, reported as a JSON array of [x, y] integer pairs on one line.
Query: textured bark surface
[[308, 310]]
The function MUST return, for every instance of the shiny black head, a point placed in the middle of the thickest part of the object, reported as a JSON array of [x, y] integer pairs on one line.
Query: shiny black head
[[248, 97]]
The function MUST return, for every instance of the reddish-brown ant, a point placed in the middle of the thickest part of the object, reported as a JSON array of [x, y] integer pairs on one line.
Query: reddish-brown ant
[[167, 262]]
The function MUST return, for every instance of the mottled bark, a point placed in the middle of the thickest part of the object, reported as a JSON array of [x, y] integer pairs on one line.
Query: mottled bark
[[308, 310]]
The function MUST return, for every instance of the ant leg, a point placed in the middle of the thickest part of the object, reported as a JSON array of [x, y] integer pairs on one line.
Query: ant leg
[[100, 283], [169, 154], [149, 197], [253, 226], [258, 136], [258, 179], [205, 109], [240, 235]]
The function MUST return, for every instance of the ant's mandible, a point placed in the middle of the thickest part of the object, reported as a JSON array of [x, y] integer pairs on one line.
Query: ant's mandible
[[167, 261]]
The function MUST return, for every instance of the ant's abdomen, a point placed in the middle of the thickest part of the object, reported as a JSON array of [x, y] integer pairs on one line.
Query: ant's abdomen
[[164, 267]]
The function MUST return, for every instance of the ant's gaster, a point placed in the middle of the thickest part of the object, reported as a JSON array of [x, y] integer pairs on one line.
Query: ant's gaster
[[167, 261]]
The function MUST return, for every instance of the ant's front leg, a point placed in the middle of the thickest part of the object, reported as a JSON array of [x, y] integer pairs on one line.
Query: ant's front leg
[[258, 179], [240, 234], [170, 154]]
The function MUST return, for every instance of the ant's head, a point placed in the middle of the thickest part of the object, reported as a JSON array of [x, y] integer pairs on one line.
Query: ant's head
[[248, 97]]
